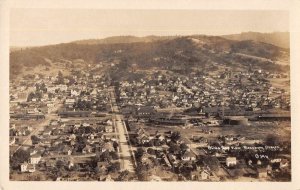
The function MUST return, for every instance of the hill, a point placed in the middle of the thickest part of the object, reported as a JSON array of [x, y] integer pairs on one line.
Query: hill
[[280, 39], [123, 39], [181, 54]]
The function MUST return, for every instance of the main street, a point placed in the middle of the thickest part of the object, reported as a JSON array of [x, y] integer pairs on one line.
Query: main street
[[126, 153]]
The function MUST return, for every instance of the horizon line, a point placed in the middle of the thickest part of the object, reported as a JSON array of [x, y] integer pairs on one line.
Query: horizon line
[[140, 36]]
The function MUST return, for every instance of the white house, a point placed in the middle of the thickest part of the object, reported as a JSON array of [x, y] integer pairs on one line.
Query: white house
[[188, 156], [70, 101], [34, 159], [25, 167], [230, 161], [108, 129]]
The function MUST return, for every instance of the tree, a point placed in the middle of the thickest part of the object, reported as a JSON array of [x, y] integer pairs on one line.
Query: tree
[[114, 167], [81, 140], [35, 139], [19, 157], [175, 136], [183, 147], [60, 78], [105, 156], [38, 95], [30, 96], [212, 162], [75, 167], [139, 152], [123, 175], [174, 148], [271, 140], [89, 130], [114, 155], [142, 172], [51, 95], [115, 145], [59, 164], [71, 80], [151, 151]]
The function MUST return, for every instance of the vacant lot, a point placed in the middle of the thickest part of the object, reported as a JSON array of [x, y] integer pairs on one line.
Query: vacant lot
[[256, 130]]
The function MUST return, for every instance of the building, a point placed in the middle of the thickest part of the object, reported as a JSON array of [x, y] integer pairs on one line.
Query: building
[[12, 140], [108, 129], [274, 117], [262, 173], [25, 167], [145, 111], [35, 159], [188, 155], [235, 120], [231, 161], [65, 114]]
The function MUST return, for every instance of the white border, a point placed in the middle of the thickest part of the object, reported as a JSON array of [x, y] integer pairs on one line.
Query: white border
[[293, 6]]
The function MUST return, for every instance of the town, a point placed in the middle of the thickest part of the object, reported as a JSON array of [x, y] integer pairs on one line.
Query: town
[[77, 124]]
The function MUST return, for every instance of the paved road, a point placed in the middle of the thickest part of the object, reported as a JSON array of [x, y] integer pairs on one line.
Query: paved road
[[125, 150]]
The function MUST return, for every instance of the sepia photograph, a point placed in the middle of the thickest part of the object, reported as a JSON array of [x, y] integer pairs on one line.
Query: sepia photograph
[[149, 95]]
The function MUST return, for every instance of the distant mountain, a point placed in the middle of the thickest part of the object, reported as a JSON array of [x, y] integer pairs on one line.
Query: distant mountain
[[280, 39], [17, 48], [124, 39], [180, 53]]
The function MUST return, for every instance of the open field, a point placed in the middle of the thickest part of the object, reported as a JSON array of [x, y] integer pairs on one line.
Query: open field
[[256, 130], [283, 83]]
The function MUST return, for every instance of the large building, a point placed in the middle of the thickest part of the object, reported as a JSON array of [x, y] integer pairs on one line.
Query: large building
[[235, 120]]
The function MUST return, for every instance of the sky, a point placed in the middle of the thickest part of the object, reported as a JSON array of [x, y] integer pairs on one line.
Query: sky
[[35, 27]]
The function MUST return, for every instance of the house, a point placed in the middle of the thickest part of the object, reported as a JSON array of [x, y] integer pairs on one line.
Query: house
[[62, 87], [69, 162], [262, 173], [204, 174], [31, 168], [145, 111], [25, 167], [284, 163], [70, 101], [86, 124], [109, 122], [102, 167], [172, 159], [75, 92], [161, 138], [35, 159], [32, 151], [108, 129], [231, 161], [12, 140], [47, 132], [67, 150], [45, 142], [21, 132], [199, 175], [50, 163], [108, 178], [188, 155], [143, 139], [108, 147], [91, 136], [87, 149], [140, 131]]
